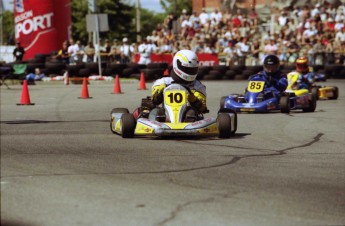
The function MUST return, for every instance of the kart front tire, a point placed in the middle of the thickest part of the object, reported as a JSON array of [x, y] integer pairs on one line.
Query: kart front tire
[[284, 104], [229, 110], [128, 125], [312, 104], [224, 125], [315, 91], [116, 110], [119, 110]]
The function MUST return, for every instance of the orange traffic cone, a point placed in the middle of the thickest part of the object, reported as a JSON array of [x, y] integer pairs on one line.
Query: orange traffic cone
[[84, 91], [25, 99], [142, 85], [66, 78], [117, 87], [166, 72]]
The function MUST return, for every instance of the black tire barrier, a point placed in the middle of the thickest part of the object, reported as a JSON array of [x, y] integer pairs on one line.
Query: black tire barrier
[[230, 74], [73, 70], [152, 73], [84, 72], [161, 65]]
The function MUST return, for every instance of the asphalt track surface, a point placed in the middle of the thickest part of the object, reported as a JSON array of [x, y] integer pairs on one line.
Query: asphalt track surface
[[61, 164]]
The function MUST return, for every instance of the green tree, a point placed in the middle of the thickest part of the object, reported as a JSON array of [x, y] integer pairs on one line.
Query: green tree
[[149, 21], [8, 28], [121, 20], [169, 6]]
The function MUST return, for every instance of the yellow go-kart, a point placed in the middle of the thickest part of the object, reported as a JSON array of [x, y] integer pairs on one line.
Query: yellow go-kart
[[321, 92], [175, 105], [300, 98]]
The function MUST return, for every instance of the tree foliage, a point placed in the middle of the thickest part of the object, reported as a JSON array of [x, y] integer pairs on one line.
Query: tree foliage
[[121, 20], [169, 6], [8, 28]]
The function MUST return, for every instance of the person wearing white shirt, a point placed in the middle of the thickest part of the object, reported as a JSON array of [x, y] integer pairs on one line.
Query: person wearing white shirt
[[126, 51], [72, 52], [216, 15], [340, 36], [203, 17], [145, 50]]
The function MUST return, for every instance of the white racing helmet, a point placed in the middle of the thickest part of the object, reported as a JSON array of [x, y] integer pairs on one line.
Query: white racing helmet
[[185, 65]]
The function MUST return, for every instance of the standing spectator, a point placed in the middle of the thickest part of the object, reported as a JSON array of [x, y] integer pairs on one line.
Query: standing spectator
[[318, 49], [330, 49], [126, 51], [271, 48], [80, 52], [63, 53], [253, 17], [341, 53], [293, 49], [229, 52], [242, 50], [203, 17], [193, 17], [340, 36], [339, 25], [114, 54], [145, 50], [216, 15], [255, 49], [166, 47], [72, 52], [90, 52], [18, 52]]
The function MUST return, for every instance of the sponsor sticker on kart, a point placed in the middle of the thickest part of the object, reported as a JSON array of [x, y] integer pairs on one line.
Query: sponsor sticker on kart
[[247, 109]]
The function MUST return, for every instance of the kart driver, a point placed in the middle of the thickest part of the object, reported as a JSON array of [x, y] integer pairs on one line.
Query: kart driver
[[305, 74], [275, 80], [184, 72]]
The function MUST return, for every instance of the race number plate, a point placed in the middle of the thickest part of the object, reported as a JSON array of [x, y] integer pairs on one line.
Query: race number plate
[[255, 86], [175, 98]]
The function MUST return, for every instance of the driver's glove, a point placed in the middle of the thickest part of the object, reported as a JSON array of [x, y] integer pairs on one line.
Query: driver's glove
[[157, 94], [197, 100]]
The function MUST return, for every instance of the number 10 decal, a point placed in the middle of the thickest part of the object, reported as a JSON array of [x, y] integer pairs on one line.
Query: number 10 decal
[[175, 97]]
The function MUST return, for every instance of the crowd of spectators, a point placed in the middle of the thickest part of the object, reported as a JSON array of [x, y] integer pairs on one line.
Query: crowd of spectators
[[241, 38]]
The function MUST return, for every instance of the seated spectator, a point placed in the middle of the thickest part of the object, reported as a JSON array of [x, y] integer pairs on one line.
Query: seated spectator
[[37, 76]]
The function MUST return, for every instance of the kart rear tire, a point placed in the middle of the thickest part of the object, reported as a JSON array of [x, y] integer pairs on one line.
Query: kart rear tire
[[224, 125], [222, 102], [315, 91], [284, 103], [335, 93], [117, 110], [312, 104], [128, 125]]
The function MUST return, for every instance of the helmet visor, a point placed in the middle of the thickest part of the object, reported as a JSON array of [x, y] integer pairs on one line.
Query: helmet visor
[[302, 67], [271, 68], [187, 70]]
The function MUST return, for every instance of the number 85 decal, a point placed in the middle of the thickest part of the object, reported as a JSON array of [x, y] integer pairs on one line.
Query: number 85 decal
[[255, 86]]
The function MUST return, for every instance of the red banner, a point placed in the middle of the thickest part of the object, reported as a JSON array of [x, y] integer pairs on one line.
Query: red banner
[[41, 25], [205, 59]]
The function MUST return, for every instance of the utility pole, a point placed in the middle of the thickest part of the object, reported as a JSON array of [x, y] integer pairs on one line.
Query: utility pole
[[137, 7], [1, 23]]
